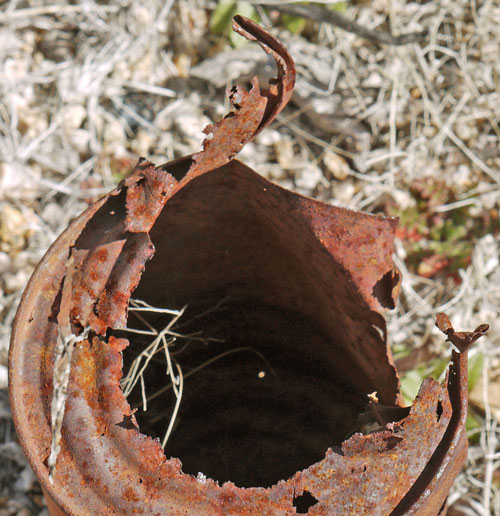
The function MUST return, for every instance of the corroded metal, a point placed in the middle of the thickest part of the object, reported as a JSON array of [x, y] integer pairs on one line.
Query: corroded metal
[[253, 110], [219, 228], [463, 340]]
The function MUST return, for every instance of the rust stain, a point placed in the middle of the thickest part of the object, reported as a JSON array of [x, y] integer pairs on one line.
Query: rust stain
[[106, 466]]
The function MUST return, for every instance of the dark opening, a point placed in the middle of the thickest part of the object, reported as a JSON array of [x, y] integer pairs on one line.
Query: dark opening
[[256, 415], [275, 389], [304, 502], [383, 289], [439, 410]]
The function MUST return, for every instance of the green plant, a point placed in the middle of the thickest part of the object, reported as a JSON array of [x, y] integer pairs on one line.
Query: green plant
[[439, 241], [221, 19]]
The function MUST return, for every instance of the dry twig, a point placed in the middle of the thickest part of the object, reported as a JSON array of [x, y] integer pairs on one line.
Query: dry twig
[[321, 14]]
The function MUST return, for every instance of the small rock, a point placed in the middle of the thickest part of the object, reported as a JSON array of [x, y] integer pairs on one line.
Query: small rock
[[19, 181], [416, 93], [309, 177], [191, 125], [248, 152], [16, 68], [26, 480], [403, 198], [183, 64], [113, 134], [79, 140], [465, 131], [3, 377], [277, 173], [20, 260], [284, 152], [342, 193], [268, 137], [429, 131], [74, 117], [336, 165], [122, 71], [142, 143], [16, 228], [10, 179], [143, 67], [142, 15], [4, 262], [374, 80], [52, 214], [463, 177], [14, 282], [32, 123]]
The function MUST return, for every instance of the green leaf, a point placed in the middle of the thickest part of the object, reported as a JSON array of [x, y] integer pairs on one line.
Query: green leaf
[[412, 380], [454, 232], [341, 7], [244, 9], [400, 350], [117, 177], [410, 385], [438, 367], [409, 216], [475, 368], [473, 426], [294, 24], [220, 21], [435, 232]]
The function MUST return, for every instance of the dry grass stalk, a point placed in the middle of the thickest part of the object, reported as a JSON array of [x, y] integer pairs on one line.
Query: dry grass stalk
[[164, 340]]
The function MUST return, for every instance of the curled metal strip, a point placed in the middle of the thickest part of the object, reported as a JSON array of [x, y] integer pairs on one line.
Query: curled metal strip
[[280, 89], [253, 110]]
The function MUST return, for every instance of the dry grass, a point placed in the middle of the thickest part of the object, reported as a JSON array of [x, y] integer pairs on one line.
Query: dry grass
[[174, 345], [87, 88]]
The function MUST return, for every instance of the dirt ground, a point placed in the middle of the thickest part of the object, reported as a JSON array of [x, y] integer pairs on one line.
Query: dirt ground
[[409, 130]]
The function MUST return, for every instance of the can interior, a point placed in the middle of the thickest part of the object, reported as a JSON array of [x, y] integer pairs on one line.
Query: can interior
[[269, 309]]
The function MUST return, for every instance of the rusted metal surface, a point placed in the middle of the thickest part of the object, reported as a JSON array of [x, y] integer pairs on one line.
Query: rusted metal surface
[[463, 340], [253, 110], [219, 228]]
